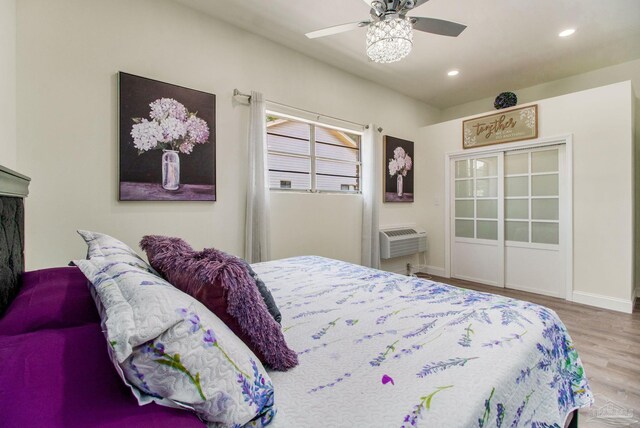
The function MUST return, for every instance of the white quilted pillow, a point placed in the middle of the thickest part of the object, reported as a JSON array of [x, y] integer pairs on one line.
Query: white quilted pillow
[[174, 350], [105, 247]]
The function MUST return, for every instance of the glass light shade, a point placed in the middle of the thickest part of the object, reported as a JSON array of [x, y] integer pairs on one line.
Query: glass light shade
[[389, 40]]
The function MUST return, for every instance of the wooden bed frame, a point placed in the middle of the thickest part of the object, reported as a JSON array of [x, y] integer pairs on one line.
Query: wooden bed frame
[[14, 187]]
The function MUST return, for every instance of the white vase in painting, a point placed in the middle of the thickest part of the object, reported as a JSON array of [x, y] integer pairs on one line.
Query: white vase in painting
[[400, 180], [170, 170]]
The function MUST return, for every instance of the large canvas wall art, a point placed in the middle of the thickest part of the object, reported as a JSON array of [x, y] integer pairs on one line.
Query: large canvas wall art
[[167, 141], [398, 170]]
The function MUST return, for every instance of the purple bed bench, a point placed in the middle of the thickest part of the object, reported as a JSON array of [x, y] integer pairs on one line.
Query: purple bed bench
[[54, 366]]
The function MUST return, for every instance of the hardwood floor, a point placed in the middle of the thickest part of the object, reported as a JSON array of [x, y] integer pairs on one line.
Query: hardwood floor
[[608, 343]]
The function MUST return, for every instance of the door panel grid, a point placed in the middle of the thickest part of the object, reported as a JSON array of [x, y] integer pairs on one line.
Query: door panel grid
[[476, 198], [532, 197], [507, 218]]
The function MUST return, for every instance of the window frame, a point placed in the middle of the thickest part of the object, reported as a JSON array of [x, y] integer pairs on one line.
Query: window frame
[[313, 158]]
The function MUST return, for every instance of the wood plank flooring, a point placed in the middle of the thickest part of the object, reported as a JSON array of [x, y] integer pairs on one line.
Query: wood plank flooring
[[608, 343]]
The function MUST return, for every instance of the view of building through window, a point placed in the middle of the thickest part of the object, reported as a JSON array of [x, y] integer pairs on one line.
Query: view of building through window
[[304, 156]]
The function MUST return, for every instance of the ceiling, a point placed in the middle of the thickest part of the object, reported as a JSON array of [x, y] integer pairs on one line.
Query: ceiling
[[509, 44]]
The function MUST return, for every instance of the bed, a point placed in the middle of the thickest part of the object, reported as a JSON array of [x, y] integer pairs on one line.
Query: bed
[[382, 349], [375, 349]]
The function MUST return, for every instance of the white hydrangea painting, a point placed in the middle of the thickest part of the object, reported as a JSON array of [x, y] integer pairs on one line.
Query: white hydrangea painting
[[398, 167], [167, 141]]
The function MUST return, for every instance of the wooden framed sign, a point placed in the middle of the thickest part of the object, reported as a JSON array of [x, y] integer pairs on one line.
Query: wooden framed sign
[[502, 127]]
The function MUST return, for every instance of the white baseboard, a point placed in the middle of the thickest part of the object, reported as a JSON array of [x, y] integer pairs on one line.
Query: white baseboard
[[605, 302], [478, 280], [534, 291], [434, 270]]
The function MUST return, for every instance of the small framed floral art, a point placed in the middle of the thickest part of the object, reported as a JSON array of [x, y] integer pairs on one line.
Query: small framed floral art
[[167, 141], [398, 170]]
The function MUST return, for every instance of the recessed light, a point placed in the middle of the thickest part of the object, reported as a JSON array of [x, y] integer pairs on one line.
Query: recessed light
[[567, 32], [453, 73]]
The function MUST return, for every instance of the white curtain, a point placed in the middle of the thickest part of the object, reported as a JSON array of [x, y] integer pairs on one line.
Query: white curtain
[[257, 236], [371, 195]]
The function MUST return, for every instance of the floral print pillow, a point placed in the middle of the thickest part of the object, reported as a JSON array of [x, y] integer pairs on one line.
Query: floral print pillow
[[176, 352], [105, 247]]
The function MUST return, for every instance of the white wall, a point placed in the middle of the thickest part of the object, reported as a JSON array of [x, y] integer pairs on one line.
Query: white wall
[[601, 123], [580, 82], [636, 189], [68, 54], [8, 83]]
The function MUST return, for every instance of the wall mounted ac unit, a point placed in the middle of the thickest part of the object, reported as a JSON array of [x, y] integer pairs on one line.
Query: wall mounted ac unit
[[402, 242]]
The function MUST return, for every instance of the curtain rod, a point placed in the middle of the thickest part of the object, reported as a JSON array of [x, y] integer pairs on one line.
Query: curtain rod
[[237, 93]]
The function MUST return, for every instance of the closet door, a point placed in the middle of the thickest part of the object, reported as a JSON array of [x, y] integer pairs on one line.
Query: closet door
[[534, 183], [477, 205]]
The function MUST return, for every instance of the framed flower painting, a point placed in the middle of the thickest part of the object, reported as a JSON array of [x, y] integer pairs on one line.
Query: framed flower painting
[[167, 137], [398, 170]]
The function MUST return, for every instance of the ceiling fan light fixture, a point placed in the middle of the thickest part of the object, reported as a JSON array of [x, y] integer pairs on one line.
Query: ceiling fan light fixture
[[389, 40]]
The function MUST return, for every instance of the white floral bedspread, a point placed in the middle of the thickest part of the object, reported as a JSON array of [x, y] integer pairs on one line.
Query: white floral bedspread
[[379, 349]]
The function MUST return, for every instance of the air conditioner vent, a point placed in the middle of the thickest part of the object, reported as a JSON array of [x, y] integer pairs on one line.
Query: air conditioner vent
[[400, 232], [402, 242]]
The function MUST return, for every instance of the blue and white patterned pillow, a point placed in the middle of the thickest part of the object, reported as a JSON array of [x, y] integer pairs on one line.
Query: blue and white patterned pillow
[[174, 350]]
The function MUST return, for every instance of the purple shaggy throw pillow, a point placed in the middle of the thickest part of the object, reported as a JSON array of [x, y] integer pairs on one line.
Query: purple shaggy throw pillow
[[224, 285]]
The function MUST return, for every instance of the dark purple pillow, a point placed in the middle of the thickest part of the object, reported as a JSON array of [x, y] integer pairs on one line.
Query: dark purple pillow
[[48, 299], [224, 285], [62, 378]]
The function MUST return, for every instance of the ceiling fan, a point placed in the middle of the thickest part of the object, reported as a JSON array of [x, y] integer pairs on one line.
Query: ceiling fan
[[389, 31]]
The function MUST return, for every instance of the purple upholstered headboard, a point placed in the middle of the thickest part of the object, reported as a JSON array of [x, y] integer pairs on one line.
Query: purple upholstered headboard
[[14, 187]]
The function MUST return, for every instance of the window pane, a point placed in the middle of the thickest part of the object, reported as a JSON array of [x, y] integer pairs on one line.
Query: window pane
[[464, 189], [516, 208], [487, 208], [544, 209], [333, 184], [545, 233], [464, 228], [516, 164], [336, 168], [464, 209], [487, 187], [486, 167], [340, 138], [544, 185], [545, 161], [288, 128], [517, 231], [288, 145], [516, 186], [487, 229], [289, 163], [464, 168], [279, 180], [337, 152]]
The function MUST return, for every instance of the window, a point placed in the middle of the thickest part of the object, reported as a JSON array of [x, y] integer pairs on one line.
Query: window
[[476, 198], [312, 157], [532, 196]]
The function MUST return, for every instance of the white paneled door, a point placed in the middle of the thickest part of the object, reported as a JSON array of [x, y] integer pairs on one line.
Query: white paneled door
[[508, 213], [477, 244]]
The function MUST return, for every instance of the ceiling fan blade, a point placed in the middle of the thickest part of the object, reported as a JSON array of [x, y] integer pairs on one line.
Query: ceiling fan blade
[[438, 26], [336, 29]]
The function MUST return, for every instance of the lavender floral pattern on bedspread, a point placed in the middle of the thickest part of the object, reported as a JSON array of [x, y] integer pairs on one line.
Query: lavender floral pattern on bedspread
[[382, 349]]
